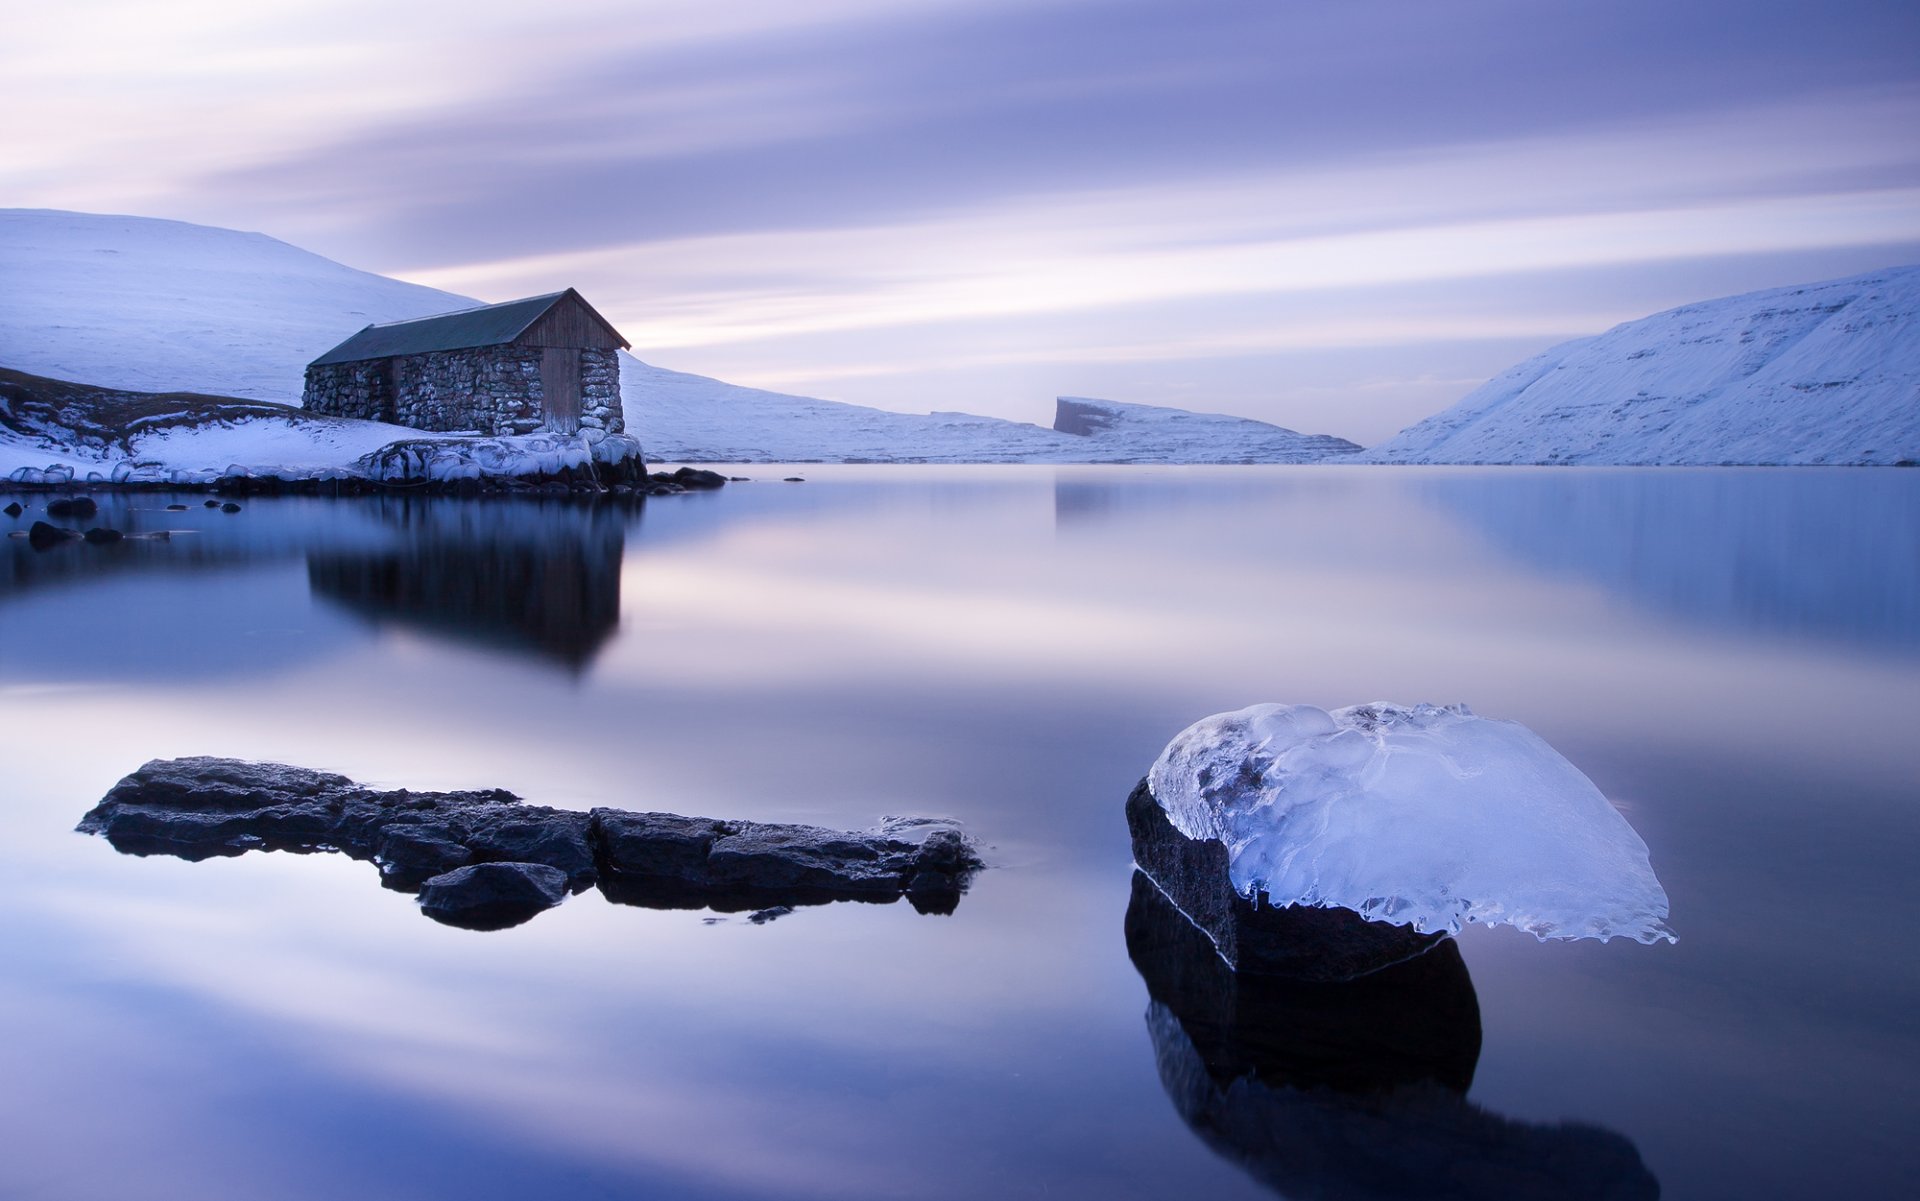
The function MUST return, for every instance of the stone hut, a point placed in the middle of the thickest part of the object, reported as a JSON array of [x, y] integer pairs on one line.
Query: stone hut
[[543, 363]]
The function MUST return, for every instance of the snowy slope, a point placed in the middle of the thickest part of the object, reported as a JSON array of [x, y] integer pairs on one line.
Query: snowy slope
[[157, 306], [1823, 373], [162, 306]]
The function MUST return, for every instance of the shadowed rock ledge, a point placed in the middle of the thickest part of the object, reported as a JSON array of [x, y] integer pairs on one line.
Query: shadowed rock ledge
[[487, 860]]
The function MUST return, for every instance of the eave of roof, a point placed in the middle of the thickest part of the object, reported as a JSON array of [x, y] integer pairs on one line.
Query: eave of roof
[[465, 329]]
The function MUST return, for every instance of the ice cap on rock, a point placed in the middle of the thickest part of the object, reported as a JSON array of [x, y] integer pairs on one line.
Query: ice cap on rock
[[1422, 816]]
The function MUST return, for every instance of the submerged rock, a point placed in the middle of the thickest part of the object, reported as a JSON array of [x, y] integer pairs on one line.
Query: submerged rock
[[200, 808], [42, 536], [1351, 1091], [493, 896], [1303, 942], [690, 478], [13, 509], [99, 534]]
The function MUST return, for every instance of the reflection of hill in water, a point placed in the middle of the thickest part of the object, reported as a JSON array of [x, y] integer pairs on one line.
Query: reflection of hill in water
[[1833, 554], [1352, 1091], [543, 579]]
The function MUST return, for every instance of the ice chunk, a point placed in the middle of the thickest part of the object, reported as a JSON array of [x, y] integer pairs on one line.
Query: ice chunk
[[1425, 816]]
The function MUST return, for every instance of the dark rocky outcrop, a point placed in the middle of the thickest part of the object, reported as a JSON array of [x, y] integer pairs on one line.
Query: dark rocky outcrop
[[100, 533], [1299, 941], [13, 509], [202, 808], [1351, 1091]]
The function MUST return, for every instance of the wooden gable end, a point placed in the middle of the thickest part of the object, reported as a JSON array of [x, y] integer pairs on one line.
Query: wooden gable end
[[570, 322]]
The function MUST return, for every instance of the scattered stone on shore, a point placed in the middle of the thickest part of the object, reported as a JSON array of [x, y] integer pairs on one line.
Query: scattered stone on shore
[[1303, 942], [72, 506], [201, 808]]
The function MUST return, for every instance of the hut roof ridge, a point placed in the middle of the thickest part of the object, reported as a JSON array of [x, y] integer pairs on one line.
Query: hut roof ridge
[[461, 329]]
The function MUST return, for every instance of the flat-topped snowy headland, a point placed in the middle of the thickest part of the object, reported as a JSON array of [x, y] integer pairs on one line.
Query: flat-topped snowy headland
[[1824, 373], [144, 305]]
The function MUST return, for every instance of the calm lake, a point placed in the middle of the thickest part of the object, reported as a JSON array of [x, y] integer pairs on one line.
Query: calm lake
[[1733, 656]]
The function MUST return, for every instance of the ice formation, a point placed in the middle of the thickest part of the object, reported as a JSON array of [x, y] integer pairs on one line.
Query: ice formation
[[1423, 816]]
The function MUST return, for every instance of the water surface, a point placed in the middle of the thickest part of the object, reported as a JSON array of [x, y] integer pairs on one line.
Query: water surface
[[1732, 656]]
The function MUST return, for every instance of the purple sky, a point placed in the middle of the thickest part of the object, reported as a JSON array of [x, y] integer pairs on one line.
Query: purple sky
[[1339, 216]]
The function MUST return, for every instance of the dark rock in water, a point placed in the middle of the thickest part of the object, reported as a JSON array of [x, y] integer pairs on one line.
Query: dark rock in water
[[690, 478], [211, 504], [102, 534], [663, 860], [1417, 1021], [229, 507], [41, 536], [201, 808], [493, 896], [793, 479], [764, 916], [72, 506], [13, 509], [1352, 1090], [1300, 941], [176, 508], [410, 856]]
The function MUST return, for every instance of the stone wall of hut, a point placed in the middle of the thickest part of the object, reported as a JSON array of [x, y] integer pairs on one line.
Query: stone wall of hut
[[491, 390]]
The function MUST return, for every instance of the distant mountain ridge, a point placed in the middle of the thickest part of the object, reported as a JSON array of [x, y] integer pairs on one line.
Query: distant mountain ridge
[[147, 305], [1824, 373]]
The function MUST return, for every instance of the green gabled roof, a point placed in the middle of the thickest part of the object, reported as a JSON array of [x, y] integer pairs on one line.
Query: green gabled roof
[[488, 325]]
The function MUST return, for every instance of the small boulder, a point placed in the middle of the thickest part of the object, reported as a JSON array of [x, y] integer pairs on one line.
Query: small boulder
[[211, 504], [493, 896], [99, 534], [72, 506], [229, 507], [41, 536], [176, 508], [794, 479], [692, 478], [14, 510]]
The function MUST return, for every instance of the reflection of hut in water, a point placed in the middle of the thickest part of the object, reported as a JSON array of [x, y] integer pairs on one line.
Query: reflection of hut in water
[[521, 575], [1351, 1091]]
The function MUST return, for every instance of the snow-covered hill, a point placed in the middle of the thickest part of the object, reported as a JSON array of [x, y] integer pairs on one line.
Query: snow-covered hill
[[1823, 373], [160, 306]]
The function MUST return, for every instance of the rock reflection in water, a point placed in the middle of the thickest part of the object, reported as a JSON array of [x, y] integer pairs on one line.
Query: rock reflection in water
[[1352, 1091], [523, 575]]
